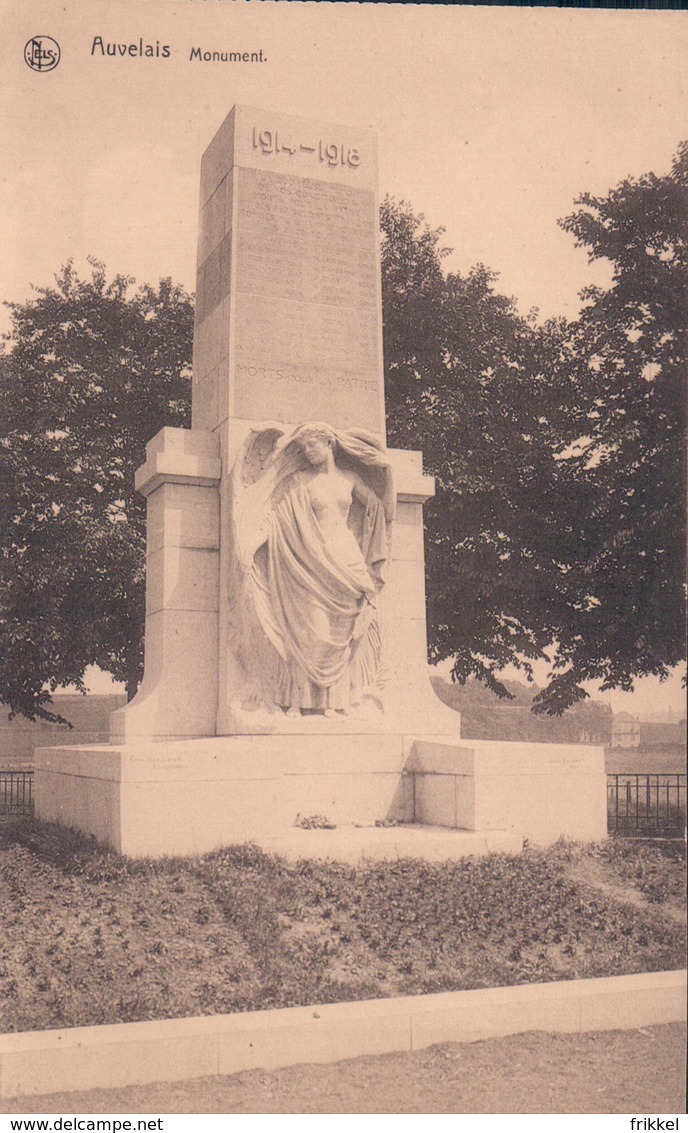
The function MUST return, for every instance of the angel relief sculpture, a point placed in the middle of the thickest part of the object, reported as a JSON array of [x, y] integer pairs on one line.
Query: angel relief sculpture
[[310, 517]]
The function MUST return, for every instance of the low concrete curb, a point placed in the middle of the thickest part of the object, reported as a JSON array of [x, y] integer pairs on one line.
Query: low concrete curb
[[126, 1054]]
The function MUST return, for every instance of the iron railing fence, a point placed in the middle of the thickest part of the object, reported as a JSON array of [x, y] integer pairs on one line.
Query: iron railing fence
[[647, 805], [16, 793]]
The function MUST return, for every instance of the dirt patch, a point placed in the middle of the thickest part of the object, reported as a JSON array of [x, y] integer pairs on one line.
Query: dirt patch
[[591, 872], [640, 1071]]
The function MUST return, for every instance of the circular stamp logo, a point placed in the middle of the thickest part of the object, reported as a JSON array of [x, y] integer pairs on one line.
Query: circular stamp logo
[[42, 53]]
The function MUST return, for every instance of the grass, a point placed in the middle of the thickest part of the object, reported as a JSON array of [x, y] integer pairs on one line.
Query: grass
[[90, 937]]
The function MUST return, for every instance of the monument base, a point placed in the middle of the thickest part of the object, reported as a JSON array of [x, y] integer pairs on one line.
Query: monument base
[[192, 796], [545, 791]]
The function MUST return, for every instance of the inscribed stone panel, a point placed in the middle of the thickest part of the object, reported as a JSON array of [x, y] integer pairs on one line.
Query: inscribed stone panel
[[307, 330], [290, 393]]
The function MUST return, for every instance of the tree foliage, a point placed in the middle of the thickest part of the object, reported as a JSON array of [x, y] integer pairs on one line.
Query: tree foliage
[[559, 450], [483, 393], [92, 373], [626, 585]]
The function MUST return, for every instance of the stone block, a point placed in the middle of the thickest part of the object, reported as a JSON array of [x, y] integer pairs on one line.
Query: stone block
[[191, 796], [60, 797], [495, 1012], [319, 1035], [126, 1054], [204, 398], [178, 696], [101, 810], [547, 806], [51, 786], [433, 757], [218, 158], [622, 1002], [407, 538], [299, 255], [188, 639], [435, 800], [211, 342], [59, 760], [269, 379], [213, 281], [407, 463], [79, 1059], [302, 147], [406, 588], [413, 487], [449, 800], [525, 757], [183, 515], [543, 791], [215, 219], [182, 578], [181, 456], [159, 816], [87, 802], [404, 638]]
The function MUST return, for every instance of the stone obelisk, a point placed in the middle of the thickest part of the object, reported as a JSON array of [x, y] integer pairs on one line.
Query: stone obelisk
[[288, 329]]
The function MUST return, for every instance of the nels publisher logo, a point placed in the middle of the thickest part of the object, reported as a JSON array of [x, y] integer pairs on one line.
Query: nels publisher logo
[[42, 53]]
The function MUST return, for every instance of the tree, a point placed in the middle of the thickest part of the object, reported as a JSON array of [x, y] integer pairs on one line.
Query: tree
[[558, 525], [92, 372], [625, 587], [483, 392]]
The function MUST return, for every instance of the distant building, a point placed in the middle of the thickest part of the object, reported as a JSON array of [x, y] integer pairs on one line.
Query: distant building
[[89, 716], [662, 733], [625, 730]]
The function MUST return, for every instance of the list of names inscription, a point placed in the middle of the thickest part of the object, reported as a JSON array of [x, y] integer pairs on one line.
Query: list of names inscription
[[306, 325]]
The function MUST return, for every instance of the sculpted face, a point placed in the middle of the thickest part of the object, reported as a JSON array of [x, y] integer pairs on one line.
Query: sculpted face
[[316, 449]]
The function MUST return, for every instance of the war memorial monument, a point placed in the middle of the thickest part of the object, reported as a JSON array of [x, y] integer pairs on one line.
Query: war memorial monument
[[285, 649]]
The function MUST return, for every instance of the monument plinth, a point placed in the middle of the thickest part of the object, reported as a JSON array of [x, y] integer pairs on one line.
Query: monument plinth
[[286, 652]]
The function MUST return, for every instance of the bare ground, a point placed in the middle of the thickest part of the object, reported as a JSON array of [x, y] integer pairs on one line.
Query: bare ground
[[640, 1071], [587, 871]]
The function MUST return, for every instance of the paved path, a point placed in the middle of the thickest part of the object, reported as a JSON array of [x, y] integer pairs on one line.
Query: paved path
[[639, 1071]]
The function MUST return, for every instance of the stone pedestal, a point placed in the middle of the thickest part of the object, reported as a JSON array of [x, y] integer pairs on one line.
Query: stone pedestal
[[193, 796], [184, 797]]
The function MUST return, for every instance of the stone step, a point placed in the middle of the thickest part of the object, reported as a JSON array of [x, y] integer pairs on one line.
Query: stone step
[[357, 845]]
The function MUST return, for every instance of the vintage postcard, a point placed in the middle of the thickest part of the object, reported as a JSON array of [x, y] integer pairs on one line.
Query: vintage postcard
[[339, 338]]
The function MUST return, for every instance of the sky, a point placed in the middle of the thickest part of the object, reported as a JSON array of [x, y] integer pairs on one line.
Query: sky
[[491, 121]]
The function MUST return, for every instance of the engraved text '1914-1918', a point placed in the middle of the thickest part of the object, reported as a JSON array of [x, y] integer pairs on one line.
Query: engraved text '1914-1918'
[[332, 153]]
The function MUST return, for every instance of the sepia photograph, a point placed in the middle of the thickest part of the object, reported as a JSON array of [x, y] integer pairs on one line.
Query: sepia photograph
[[343, 589]]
